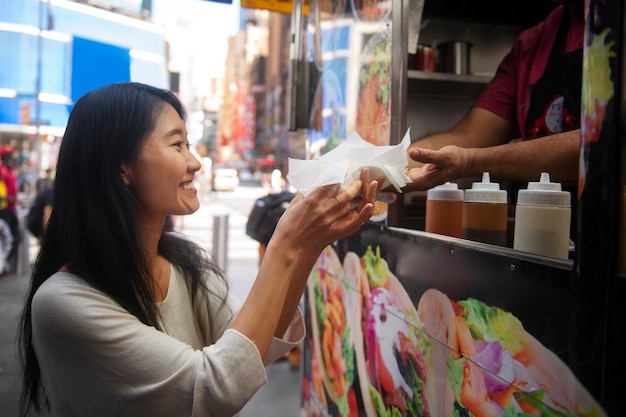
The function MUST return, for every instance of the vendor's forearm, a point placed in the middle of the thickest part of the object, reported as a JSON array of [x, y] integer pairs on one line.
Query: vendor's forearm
[[556, 154], [438, 140], [479, 128]]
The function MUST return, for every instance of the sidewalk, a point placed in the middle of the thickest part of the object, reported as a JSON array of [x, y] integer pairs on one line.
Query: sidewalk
[[12, 291], [280, 397], [242, 263]]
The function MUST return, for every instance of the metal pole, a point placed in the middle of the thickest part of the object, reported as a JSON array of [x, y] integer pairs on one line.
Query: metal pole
[[38, 88], [220, 239], [296, 73], [23, 266]]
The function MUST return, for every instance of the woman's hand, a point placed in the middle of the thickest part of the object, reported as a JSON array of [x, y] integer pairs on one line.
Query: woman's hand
[[324, 215], [308, 225]]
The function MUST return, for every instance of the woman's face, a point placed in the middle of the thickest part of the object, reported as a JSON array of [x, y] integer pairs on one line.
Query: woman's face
[[162, 177]]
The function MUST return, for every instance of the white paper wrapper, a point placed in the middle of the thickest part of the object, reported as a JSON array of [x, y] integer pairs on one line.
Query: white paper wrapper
[[343, 165]]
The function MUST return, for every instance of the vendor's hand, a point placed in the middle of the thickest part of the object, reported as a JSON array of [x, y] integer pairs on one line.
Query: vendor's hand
[[324, 215], [446, 164], [381, 196]]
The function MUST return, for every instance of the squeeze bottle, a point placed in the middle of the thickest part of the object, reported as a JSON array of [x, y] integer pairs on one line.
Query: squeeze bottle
[[485, 212], [444, 210], [542, 219]]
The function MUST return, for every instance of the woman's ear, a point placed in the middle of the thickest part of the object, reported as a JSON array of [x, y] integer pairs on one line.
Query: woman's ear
[[124, 177]]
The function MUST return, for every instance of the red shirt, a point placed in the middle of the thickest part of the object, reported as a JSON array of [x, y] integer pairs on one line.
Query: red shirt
[[8, 175], [507, 94]]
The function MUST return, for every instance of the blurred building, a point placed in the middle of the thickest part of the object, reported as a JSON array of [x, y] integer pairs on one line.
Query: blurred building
[[237, 117], [235, 89], [253, 121], [52, 52], [197, 33]]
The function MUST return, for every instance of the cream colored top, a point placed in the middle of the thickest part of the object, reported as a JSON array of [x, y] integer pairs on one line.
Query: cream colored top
[[97, 359]]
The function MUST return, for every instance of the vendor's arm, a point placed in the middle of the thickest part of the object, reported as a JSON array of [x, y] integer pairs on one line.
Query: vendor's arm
[[479, 128], [304, 230], [477, 144]]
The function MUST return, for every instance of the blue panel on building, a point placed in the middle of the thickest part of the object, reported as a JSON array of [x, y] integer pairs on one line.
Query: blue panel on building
[[95, 64]]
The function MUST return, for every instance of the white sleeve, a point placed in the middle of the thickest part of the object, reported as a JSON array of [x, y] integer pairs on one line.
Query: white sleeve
[[97, 359], [292, 337]]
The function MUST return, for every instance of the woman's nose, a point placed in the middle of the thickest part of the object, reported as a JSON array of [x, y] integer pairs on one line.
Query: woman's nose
[[193, 163]]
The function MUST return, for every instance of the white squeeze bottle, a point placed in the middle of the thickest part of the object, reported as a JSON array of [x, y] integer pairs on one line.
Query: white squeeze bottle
[[542, 219]]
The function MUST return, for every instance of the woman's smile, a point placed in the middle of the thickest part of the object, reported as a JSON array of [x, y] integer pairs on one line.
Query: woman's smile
[[188, 186]]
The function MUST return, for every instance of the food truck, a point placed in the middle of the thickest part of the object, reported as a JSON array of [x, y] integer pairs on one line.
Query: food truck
[[404, 322]]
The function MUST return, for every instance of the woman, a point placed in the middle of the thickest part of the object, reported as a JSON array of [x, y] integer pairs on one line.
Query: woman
[[126, 319]]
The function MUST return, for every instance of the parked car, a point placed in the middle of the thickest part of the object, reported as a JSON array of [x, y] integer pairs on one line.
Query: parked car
[[245, 175], [225, 179]]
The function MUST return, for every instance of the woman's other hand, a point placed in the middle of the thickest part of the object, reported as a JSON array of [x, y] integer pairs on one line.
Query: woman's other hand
[[326, 215]]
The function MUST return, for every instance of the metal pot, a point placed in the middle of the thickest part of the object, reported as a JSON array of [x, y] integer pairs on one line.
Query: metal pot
[[454, 57]]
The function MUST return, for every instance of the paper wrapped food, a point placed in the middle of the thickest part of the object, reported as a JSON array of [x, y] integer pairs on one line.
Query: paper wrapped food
[[343, 165]]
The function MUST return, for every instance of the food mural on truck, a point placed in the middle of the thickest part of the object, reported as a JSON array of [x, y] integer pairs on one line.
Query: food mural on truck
[[373, 116], [598, 86], [372, 351], [349, 56]]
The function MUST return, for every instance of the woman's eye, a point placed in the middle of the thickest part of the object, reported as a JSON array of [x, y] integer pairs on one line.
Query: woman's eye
[[180, 144]]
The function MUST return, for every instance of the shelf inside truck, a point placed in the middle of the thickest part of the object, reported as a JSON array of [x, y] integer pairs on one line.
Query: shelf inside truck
[[427, 83]]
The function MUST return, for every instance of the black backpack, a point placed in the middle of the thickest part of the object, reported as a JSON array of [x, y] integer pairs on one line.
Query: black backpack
[[265, 215]]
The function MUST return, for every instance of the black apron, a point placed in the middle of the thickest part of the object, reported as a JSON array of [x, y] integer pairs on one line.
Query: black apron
[[555, 103], [555, 98]]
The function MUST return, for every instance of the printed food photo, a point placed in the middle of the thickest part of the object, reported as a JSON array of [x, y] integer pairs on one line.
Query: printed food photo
[[371, 11], [499, 369], [393, 358], [333, 329], [379, 353], [374, 98]]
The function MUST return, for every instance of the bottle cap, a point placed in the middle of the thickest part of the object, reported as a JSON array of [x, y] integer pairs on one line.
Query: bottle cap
[[447, 191], [544, 193], [485, 192]]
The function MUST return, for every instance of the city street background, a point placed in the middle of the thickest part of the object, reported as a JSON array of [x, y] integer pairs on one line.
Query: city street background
[[280, 397]]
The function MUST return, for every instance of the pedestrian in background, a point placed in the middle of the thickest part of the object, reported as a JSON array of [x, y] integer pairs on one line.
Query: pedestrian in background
[[40, 211], [125, 319], [45, 182], [6, 244], [8, 207], [277, 181], [27, 178]]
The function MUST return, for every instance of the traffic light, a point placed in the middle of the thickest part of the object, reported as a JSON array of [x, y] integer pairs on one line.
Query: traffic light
[[25, 113]]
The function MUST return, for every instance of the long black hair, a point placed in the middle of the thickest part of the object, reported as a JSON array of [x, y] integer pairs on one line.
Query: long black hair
[[93, 228]]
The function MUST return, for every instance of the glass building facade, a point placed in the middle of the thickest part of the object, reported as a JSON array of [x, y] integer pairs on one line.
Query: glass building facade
[[52, 52]]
